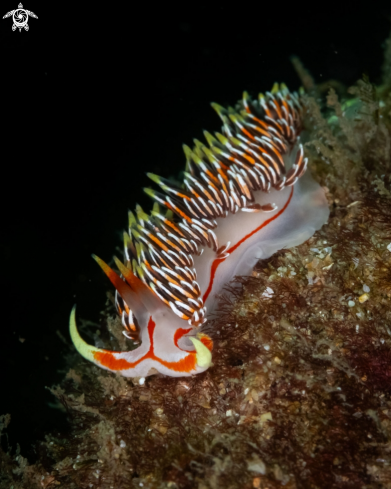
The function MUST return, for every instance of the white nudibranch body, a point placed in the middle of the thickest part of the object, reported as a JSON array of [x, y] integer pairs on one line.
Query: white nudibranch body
[[244, 197]]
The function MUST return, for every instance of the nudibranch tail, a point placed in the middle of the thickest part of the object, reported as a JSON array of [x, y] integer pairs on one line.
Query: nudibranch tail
[[243, 197]]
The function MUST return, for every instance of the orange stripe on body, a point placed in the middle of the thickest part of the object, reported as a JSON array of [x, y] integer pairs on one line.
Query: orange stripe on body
[[173, 226], [218, 261], [158, 241], [178, 211], [182, 195], [247, 133], [213, 269]]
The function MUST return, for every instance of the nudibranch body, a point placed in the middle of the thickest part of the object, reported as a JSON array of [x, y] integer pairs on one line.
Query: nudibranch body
[[244, 197]]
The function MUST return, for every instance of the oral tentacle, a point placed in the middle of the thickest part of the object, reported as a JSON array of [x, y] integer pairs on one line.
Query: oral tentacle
[[87, 351], [204, 355]]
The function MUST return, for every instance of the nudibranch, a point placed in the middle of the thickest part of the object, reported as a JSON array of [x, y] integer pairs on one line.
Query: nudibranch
[[244, 196]]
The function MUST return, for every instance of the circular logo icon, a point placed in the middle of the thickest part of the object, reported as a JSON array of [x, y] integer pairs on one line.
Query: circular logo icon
[[20, 18]]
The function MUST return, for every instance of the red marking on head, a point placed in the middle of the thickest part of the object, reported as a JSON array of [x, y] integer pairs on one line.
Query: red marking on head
[[207, 341], [217, 262], [187, 364], [107, 359], [179, 333]]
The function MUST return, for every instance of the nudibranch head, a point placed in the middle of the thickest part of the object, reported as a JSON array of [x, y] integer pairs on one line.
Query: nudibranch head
[[243, 198], [159, 352]]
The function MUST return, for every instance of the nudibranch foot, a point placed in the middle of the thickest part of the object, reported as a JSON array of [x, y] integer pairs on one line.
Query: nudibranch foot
[[180, 256]]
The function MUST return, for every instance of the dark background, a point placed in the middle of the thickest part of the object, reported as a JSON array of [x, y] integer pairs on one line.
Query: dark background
[[92, 98]]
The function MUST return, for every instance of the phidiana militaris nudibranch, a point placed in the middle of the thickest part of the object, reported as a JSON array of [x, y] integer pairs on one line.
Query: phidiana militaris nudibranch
[[244, 197]]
